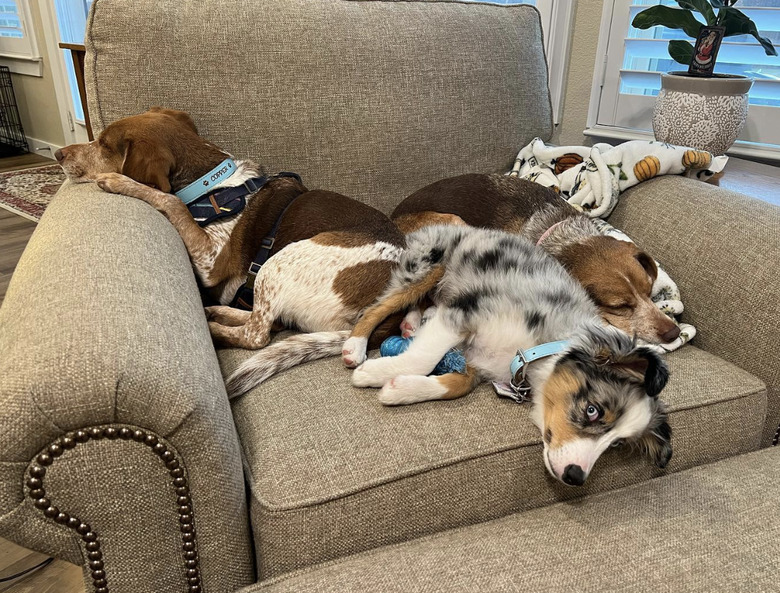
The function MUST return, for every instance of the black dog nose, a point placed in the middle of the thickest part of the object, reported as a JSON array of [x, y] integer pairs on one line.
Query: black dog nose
[[58, 155], [573, 475]]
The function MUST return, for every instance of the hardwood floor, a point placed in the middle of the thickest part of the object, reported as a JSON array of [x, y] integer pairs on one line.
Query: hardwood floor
[[752, 179], [760, 181], [15, 232], [23, 161], [57, 577]]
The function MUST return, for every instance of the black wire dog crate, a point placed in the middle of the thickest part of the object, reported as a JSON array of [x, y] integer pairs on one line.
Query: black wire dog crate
[[12, 138]]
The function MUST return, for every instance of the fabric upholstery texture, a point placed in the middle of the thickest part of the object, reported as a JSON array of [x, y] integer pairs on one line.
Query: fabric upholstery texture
[[723, 251], [709, 529], [103, 324], [332, 472], [370, 99]]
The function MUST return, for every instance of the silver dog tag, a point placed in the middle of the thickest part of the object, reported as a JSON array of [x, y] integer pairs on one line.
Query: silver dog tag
[[506, 390]]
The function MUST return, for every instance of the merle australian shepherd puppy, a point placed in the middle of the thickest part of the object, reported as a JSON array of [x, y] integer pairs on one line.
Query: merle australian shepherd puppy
[[495, 295]]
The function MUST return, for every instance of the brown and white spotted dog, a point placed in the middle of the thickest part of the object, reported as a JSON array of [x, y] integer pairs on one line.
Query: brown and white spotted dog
[[617, 275], [332, 255]]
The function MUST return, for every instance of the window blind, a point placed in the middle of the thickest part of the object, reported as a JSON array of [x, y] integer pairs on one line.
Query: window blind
[[646, 55]]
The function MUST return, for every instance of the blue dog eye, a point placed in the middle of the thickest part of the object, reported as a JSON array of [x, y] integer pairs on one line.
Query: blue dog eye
[[592, 412]]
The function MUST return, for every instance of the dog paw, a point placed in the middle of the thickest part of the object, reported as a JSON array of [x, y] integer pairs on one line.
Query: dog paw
[[406, 389], [226, 315], [411, 323], [114, 183], [366, 375], [354, 352]]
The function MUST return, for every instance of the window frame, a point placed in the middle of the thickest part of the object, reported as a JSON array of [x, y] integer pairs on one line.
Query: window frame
[[22, 56], [557, 20], [615, 117]]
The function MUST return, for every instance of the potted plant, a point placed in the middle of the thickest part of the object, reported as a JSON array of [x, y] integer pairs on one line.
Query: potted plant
[[698, 108]]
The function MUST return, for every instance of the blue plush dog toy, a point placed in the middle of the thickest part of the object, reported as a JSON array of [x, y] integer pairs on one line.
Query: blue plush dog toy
[[453, 361]]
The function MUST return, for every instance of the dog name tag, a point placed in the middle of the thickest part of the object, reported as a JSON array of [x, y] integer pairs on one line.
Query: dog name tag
[[504, 389]]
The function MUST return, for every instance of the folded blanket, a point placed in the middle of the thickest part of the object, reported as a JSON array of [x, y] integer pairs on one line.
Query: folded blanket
[[592, 177]]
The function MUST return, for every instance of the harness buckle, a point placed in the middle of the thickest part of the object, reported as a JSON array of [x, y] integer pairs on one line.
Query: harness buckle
[[251, 275], [268, 243], [522, 371], [518, 389]]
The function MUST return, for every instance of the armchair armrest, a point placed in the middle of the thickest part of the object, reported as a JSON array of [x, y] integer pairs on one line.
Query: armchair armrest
[[113, 410], [723, 250]]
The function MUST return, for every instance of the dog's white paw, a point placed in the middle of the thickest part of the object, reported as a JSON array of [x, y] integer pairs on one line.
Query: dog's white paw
[[354, 352], [368, 375], [409, 389], [411, 323]]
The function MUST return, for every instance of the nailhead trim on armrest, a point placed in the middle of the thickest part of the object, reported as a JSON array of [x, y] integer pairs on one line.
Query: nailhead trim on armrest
[[37, 472]]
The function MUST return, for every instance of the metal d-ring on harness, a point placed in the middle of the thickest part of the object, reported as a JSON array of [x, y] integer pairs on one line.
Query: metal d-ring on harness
[[518, 388]]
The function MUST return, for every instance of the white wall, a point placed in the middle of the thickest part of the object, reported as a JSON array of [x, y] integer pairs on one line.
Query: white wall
[[582, 58], [36, 96]]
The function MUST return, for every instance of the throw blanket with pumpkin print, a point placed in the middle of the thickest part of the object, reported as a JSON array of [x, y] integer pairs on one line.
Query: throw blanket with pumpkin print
[[592, 177]]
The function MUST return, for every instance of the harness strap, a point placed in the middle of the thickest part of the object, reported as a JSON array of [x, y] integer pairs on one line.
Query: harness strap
[[244, 296], [224, 202]]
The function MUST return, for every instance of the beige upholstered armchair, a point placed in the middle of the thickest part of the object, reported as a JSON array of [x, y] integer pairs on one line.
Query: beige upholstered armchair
[[119, 450]]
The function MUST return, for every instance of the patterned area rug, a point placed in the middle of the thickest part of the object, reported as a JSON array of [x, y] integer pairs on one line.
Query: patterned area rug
[[29, 191]]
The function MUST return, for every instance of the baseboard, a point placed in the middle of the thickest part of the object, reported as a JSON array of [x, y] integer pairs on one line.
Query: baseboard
[[42, 148]]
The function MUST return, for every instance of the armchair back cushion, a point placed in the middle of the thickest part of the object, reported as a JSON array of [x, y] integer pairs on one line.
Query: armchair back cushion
[[371, 99]]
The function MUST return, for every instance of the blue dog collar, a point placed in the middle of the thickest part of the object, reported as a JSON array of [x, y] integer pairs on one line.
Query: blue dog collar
[[202, 186], [520, 362]]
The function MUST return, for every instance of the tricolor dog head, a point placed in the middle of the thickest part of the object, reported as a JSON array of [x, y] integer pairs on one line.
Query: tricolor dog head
[[619, 278], [160, 148], [602, 392]]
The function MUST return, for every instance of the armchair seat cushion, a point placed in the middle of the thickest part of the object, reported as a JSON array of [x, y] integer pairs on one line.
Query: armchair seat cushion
[[332, 472], [708, 529]]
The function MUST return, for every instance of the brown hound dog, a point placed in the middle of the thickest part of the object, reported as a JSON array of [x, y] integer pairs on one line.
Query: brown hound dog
[[332, 255]]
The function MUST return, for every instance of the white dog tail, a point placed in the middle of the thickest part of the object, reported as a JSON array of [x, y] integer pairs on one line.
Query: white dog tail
[[284, 355]]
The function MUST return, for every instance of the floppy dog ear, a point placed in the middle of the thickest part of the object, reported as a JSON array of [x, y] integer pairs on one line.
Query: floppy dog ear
[[646, 367], [648, 263], [181, 116], [657, 441], [148, 163]]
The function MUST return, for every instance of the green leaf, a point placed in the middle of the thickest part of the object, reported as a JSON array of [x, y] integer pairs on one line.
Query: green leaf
[[681, 51], [702, 6], [673, 18], [737, 23], [718, 3]]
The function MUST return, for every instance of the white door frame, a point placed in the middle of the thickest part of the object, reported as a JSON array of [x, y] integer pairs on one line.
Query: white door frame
[[74, 132]]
